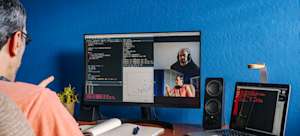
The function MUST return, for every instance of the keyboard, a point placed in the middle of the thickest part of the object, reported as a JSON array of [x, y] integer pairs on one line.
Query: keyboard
[[227, 132]]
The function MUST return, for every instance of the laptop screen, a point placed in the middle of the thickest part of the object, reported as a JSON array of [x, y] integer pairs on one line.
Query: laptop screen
[[260, 108]]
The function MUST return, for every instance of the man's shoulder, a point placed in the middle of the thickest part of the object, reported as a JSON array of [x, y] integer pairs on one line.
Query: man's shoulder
[[19, 84], [193, 64], [22, 88], [175, 65], [37, 88]]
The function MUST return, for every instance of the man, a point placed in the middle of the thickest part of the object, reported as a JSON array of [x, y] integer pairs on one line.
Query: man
[[185, 65], [180, 89], [41, 106]]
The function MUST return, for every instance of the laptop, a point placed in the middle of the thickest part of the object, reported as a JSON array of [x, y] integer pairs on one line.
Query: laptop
[[258, 109]]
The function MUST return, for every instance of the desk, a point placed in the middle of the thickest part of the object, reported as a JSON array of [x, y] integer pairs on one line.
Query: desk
[[179, 129]]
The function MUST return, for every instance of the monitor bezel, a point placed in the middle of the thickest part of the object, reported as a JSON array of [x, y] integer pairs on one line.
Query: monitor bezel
[[265, 85], [159, 101]]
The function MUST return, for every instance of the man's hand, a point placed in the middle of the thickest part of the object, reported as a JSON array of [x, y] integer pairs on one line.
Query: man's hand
[[168, 89], [45, 82]]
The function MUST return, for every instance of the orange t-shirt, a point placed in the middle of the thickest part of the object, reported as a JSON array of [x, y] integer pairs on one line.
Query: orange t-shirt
[[42, 108]]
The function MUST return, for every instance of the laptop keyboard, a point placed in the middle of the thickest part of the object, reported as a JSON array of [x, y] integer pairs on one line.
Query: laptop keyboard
[[230, 132]]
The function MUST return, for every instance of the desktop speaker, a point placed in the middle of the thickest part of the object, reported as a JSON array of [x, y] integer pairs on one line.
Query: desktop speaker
[[213, 103]]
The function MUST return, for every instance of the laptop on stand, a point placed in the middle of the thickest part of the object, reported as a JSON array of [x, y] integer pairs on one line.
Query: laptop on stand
[[258, 109]]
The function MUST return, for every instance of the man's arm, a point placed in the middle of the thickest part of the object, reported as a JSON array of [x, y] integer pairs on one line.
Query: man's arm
[[46, 81], [168, 89], [53, 118], [190, 90]]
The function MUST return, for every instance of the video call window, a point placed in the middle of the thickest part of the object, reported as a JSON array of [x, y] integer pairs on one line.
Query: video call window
[[176, 66]]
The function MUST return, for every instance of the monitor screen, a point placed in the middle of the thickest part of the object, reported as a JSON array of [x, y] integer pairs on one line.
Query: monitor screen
[[153, 69], [260, 108]]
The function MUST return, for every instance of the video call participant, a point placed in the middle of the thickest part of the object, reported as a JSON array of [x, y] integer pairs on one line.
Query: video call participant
[[180, 89], [41, 106], [185, 65]]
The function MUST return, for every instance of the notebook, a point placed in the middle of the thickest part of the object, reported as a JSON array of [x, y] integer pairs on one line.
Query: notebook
[[257, 109], [114, 127]]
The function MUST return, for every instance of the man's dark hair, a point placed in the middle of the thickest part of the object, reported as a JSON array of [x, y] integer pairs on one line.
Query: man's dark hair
[[180, 76], [12, 19]]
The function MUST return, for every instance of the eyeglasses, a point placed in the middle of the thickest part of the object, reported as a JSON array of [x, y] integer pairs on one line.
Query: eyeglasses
[[27, 38]]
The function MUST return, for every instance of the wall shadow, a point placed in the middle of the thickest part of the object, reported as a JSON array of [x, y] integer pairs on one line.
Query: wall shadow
[[71, 71]]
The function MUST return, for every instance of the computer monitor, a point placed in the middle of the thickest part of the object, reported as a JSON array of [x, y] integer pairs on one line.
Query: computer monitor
[[145, 69], [260, 109]]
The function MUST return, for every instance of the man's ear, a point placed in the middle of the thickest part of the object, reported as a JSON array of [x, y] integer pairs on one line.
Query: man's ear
[[14, 43]]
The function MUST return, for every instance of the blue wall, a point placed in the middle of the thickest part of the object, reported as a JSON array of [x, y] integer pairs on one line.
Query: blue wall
[[234, 34]]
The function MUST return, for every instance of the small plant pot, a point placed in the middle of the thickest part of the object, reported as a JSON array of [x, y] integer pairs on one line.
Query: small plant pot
[[70, 107]]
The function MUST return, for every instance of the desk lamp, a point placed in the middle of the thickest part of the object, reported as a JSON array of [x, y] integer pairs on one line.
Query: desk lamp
[[262, 70]]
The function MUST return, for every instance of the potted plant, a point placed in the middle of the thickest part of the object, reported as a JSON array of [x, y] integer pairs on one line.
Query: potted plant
[[68, 97]]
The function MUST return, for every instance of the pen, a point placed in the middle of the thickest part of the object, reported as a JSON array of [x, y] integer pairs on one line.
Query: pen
[[135, 130]]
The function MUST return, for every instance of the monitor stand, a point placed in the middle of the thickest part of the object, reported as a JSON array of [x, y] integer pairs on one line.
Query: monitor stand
[[89, 113], [146, 119]]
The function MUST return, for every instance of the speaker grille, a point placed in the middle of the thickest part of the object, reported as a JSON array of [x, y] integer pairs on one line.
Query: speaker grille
[[213, 107], [214, 88]]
